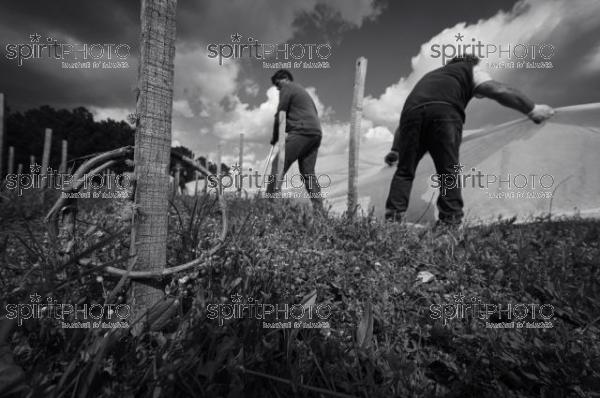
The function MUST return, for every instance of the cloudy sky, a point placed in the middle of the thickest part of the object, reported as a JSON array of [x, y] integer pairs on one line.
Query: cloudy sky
[[215, 102]]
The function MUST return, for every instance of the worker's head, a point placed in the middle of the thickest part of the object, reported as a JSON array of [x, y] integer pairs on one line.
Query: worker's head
[[282, 75], [470, 58]]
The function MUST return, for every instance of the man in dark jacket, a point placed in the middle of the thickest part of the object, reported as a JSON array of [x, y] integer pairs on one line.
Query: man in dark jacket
[[303, 134], [432, 121]]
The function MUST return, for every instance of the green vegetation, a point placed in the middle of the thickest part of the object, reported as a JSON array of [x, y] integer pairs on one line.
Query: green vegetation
[[382, 342]]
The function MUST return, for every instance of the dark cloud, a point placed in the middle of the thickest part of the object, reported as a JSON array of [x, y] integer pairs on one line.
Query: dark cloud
[[96, 20], [43, 81], [114, 21], [390, 33]]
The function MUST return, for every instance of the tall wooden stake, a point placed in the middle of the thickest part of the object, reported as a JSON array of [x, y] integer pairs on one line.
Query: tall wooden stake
[[281, 152], [46, 154], [196, 177], [357, 101], [63, 158], [176, 179], [205, 186], [45, 163], [152, 150], [11, 159], [219, 160], [241, 163]]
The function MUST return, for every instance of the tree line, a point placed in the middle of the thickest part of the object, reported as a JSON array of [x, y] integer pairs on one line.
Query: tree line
[[86, 136]]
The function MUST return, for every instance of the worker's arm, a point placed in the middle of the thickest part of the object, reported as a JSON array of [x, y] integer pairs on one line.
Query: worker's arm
[[514, 99], [285, 96], [505, 95], [393, 155], [275, 136]]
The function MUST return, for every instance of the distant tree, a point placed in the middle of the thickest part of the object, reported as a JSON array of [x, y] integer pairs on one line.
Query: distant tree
[[201, 160], [212, 167], [25, 131]]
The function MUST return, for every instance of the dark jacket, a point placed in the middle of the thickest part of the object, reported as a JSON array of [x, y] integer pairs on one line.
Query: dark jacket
[[452, 84], [301, 112]]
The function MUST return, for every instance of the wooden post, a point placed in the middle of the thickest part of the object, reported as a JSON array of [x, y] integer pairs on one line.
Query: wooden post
[[152, 152], [46, 154], [20, 169], [357, 101], [63, 158], [1, 134], [241, 163], [177, 177], [205, 187], [280, 152], [45, 163], [219, 160], [11, 159]]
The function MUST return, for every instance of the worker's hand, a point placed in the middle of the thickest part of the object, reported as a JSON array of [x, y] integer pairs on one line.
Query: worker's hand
[[541, 113], [391, 158]]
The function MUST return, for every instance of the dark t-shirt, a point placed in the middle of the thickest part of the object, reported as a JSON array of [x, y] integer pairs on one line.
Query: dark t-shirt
[[301, 112], [452, 84]]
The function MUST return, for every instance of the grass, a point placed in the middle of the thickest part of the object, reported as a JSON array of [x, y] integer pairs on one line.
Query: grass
[[383, 341]]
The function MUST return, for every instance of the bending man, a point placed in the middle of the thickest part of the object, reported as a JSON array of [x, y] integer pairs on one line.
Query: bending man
[[432, 121]]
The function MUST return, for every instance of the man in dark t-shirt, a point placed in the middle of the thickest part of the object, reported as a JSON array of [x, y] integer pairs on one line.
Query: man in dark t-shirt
[[303, 134], [432, 121]]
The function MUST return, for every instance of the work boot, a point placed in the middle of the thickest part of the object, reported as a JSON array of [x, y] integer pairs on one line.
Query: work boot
[[393, 216]]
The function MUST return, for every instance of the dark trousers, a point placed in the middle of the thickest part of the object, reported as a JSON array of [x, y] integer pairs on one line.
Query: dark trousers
[[304, 149], [437, 129]]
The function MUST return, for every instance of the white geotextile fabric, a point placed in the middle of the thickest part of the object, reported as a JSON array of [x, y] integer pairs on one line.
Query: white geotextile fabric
[[566, 148]]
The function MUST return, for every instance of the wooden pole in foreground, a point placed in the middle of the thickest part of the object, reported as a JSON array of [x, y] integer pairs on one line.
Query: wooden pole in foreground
[[1, 133], [357, 101], [46, 154], [152, 154], [241, 163], [281, 151], [63, 158], [11, 159]]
